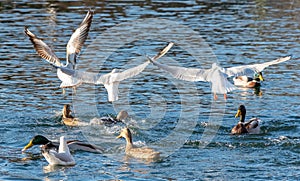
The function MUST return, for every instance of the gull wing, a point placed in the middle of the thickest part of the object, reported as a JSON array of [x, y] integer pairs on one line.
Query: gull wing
[[182, 73], [64, 157], [163, 51], [80, 76], [250, 69], [94, 78], [120, 76], [42, 48], [219, 82], [78, 38]]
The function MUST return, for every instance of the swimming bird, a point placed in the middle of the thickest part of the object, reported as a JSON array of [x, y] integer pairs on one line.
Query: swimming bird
[[248, 82], [216, 74], [252, 126], [111, 80], [67, 118], [132, 151], [74, 145], [73, 49], [62, 157], [122, 115]]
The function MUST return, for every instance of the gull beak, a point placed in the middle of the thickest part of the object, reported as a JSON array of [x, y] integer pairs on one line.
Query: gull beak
[[238, 113], [27, 146]]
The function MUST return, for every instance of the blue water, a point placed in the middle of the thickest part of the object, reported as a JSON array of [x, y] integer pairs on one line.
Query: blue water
[[177, 118]]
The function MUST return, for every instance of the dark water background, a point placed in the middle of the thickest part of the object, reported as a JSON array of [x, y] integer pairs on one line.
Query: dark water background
[[238, 33]]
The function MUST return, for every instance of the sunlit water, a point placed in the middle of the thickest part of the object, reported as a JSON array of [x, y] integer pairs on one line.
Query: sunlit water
[[199, 145]]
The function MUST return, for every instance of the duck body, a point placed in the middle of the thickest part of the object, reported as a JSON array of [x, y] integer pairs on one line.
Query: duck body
[[62, 157], [240, 128], [132, 151], [67, 118], [251, 127], [70, 121], [108, 121], [73, 145], [248, 82], [142, 153]]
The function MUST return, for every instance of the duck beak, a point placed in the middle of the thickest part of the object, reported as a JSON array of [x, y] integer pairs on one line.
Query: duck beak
[[29, 145], [261, 77], [120, 136], [238, 113]]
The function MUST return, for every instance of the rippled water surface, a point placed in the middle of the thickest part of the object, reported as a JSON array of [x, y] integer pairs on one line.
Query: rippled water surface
[[177, 118]]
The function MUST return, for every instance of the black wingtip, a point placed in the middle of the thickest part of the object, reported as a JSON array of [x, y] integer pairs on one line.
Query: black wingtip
[[25, 29], [149, 59], [91, 11], [28, 33]]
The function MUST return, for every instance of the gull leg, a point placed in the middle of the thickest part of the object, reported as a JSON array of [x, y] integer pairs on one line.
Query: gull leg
[[215, 96], [74, 90], [225, 96]]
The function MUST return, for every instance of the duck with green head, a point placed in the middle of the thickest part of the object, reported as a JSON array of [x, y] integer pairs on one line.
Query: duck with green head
[[252, 126], [74, 145], [249, 82]]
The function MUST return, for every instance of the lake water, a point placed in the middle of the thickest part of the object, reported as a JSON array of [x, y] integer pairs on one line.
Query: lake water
[[177, 118]]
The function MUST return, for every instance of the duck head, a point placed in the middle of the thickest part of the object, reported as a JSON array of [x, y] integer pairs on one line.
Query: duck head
[[122, 115], [241, 112], [126, 133], [66, 111], [258, 76], [36, 140]]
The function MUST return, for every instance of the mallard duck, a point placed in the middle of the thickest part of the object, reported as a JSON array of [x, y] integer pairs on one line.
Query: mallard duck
[[132, 151], [252, 126], [67, 118], [73, 49], [122, 115], [62, 157], [216, 74], [111, 80], [248, 82], [74, 145]]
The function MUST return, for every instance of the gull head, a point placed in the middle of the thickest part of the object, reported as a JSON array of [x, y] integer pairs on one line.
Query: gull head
[[114, 71], [215, 65]]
